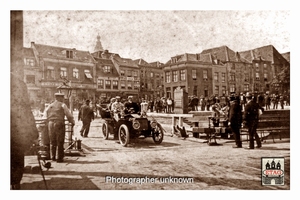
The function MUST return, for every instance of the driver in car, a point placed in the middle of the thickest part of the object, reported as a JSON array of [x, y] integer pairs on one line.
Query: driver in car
[[130, 106], [118, 108]]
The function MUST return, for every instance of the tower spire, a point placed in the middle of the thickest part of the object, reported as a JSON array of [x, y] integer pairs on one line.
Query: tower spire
[[98, 46]]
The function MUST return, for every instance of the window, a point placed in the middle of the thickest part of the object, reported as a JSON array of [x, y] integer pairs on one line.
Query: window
[[246, 87], [75, 73], [232, 88], [50, 72], [217, 90], [168, 77], [129, 85], [195, 90], [232, 77], [122, 72], [135, 73], [88, 73], [100, 84], [246, 77], [216, 76], [151, 74], [157, 75], [69, 54], [115, 84], [194, 74], [265, 77], [265, 66], [205, 75], [182, 75], [30, 79], [150, 86], [122, 84], [257, 66], [256, 87], [224, 90], [107, 84], [136, 85], [223, 77], [129, 73], [63, 72], [175, 76], [257, 76], [29, 62], [106, 69], [233, 66]]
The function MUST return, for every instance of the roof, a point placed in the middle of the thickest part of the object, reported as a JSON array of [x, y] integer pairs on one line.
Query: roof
[[286, 56], [267, 53], [101, 62], [48, 51], [28, 52], [222, 53], [124, 62]]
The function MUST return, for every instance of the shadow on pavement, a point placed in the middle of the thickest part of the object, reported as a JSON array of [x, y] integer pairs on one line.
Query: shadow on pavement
[[71, 180]]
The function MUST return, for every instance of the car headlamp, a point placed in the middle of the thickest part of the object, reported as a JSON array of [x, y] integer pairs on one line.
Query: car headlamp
[[136, 124], [153, 124]]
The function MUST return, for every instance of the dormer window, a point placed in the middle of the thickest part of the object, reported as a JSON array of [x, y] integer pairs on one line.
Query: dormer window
[[69, 53], [107, 69]]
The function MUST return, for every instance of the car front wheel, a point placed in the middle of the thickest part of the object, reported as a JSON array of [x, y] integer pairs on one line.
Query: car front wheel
[[157, 134], [124, 135], [105, 131]]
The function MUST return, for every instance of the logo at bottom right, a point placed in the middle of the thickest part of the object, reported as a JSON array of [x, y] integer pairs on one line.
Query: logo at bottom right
[[272, 171]]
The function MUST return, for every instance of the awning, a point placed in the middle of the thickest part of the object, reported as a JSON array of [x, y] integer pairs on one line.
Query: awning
[[88, 75]]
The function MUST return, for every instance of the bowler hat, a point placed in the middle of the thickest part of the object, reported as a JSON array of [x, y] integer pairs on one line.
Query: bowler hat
[[87, 101], [248, 94], [59, 94]]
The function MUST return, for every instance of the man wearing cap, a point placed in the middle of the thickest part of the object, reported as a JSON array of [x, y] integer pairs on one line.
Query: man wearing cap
[[55, 114], [118, 108], [86, 115], [235, 119], [250, 120]]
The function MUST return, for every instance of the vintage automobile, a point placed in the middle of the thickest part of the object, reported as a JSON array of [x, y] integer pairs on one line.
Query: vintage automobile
[[131, 126]]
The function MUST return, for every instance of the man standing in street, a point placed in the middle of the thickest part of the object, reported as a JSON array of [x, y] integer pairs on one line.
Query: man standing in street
[[235, 119], [86, 115], [250, 120], [55, 114]]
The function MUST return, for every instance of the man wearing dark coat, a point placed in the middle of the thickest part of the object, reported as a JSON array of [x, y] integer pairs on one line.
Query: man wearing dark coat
[[85, 114], [235, 119], [250, 119], [130, 106]]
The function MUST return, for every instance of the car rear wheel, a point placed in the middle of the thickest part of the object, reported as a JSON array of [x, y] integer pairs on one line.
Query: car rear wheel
[[105, 131], [157, 134], [124, 135]]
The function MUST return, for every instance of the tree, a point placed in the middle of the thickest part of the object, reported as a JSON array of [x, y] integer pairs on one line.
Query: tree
[[282, 79]]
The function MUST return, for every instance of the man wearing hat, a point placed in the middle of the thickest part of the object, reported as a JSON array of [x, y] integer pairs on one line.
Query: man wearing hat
[[130, 106], [118, 108], [86, 115], [250, 120], [235, 119], [55, 114]]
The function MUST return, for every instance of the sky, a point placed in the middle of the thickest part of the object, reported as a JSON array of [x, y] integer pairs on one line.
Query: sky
[[158, 35]]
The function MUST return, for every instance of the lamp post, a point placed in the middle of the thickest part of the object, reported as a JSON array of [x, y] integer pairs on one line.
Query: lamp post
[[66, 89]]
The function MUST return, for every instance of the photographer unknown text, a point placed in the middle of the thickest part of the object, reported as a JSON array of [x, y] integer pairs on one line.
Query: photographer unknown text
[[147, 180]]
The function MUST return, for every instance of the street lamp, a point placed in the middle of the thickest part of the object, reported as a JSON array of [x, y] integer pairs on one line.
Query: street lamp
[[66, 89]]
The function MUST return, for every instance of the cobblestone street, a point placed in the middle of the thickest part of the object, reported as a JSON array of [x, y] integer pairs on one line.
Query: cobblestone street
[[175, 164]]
